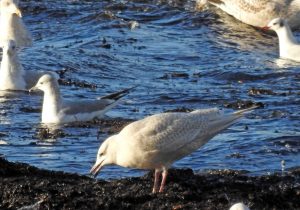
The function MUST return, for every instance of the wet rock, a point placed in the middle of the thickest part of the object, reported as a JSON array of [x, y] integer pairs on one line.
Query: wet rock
[[30, 110], [77, 83], [110, 126], [258, 91], [23, 185], [3, 135], [236, 155], [181, 109], [46, 133], [175, 75], [104, 44], [241, 104]]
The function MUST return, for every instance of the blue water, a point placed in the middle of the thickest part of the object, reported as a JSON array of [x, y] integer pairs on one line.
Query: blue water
[[222, 57]]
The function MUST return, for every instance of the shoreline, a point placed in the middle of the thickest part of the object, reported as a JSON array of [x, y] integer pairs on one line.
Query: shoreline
[[24, 185]]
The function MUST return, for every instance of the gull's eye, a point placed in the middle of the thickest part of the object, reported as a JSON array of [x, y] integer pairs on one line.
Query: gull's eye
[[274, 24], [7, 4], [101, 154], [41, 83]]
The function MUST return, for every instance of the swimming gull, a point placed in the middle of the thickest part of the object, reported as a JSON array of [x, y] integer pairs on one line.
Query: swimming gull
[[11, 24], [157, 141], [288, 46], [259, 12], [12, 74], [57, 110], [239, 206]]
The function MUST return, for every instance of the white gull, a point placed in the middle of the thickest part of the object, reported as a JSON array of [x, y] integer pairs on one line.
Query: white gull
[[289, 48], [157, 141], [11, 24], [12, 74], [259, 12], [239, 206], [57, 110]]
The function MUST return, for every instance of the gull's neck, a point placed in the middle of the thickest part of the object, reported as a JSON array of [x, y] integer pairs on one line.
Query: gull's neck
[[7, 22], [11, 73], [52, 103], [286, 39]]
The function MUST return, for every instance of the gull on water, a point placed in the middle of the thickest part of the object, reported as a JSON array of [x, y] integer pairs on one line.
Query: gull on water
[[259, 12], [12, 74], [11, 24], [57, 110], [289, 48], [157, 141], [239, 206]]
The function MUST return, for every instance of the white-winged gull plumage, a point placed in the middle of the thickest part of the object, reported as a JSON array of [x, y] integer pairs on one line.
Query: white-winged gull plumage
[[289, 47], [157, 141], [11, 24], [58, 110], [259, 12]]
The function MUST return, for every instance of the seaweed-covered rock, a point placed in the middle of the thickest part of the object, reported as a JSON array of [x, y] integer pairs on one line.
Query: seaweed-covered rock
[[29, 187]]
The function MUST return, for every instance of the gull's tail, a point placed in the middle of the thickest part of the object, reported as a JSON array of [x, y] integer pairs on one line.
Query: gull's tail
[[116, 96], [224, 121]]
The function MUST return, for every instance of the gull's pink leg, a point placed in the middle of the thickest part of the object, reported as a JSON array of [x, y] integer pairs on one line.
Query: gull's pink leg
[[156, 180], [163, 181]]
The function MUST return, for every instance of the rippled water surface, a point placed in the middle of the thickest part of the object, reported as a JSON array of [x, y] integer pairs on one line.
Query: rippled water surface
[[221, 60]]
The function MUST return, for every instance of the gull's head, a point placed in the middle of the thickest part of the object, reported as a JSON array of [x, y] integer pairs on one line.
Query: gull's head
[[276, 24], [45, 83], [105, 155], [9, 47], [10, 7]]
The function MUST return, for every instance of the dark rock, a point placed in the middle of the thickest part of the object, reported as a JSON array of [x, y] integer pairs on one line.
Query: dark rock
[[241, 104], [30, 110], [46, 133], [24, 185], [76, 83]]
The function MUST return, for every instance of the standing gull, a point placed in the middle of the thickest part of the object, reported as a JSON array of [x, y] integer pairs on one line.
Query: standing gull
[[259, 12], [11, 24], [156, 142], [289, 48], [12, 74], [56, 110]]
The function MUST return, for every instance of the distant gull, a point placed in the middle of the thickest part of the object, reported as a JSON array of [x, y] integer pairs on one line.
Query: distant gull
[[259, 12], [57, 110], [288, 46], [12, 74], [11, 24], [157, 141], [239, 206]]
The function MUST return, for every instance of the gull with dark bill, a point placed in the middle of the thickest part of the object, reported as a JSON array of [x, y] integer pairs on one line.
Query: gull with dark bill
[[289, 47], [12, 74], [11, 24], [57, 110], [157, 141]]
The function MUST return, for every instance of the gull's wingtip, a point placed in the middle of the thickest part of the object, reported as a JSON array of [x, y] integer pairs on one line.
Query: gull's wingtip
[[120, 94], [241, 112]]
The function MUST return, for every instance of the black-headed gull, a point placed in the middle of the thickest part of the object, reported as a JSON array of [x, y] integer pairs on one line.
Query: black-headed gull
[[289, 48], [57, 110]]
